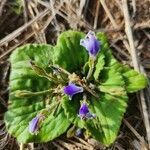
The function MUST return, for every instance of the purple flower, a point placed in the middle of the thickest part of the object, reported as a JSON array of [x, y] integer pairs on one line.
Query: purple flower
[[72, 89], [79, 132], [84, 112], [34, 124], [91, 44]]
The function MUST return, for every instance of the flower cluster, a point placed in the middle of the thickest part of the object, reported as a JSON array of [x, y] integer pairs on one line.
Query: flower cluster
[[92, 45], [73, 89]]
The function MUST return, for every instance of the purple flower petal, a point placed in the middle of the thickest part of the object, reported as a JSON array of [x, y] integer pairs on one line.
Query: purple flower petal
[[72, 89], [34, 125], [90, 116], [84, 112], [91, 44]]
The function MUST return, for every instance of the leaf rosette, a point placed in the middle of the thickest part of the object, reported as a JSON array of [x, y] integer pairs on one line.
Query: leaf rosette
[[53, 88]]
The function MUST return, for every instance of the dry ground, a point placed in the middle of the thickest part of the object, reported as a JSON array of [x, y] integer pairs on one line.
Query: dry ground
[[127, 25]]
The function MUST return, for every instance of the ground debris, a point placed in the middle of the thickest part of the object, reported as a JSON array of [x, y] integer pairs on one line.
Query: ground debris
[[43, 20]]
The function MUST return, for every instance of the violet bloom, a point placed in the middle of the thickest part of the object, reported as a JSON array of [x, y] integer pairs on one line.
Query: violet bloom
[[84, 112], [79, 132], [72, 89], [34, 124], [91, 44]]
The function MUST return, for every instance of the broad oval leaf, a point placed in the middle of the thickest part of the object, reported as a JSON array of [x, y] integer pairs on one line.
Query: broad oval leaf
[[134, 80], [22, 110], [71, 109], [69, 54], [109, 112]]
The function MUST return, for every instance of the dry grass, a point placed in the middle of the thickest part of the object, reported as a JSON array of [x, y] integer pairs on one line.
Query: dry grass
[[126, 24]]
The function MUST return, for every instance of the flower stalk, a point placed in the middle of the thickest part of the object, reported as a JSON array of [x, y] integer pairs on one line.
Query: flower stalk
[[42, 73], [91, 68], [25, 93]]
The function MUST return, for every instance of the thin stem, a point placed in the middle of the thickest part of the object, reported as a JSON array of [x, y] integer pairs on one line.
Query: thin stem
[[59, 71], [90, 72], [84, 97], [51, 107], [89, 90], [91, 68], [53, 79], [41, 92], [42, 73], [25, 93], [62, 70]]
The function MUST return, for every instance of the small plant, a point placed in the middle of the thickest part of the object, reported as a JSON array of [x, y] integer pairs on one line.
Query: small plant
[[76, 87]]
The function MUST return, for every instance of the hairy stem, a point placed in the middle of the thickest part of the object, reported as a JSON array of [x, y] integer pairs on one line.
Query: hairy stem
[[91, 68], [25, 93]]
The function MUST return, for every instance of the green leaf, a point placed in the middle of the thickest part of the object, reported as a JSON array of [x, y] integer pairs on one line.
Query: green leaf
[[109, 112], [105, 56], [99, 65], [134, 81], [111, 105], [68, 52], [102, 37], [22, 110], [17, 6], [112, 81], [71, 108]]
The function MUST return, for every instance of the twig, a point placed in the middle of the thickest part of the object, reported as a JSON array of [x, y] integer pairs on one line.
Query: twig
[[22, 28], [65, 145], [18, 32], [120, 51], [138, 136], [21, 146], [47, 5], [40, 36], [78, 18], [118, 3], [134, 7], [25, 11], [82, 141], [54, 15], [108, 13], [82, 4], [12, 48], [129, 34], [143, 25], [81, 146], [108, 30], [2, 6], [58, 146], [136, 66], [31, 146], [147, 34], [96, 15], [113, 22]]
